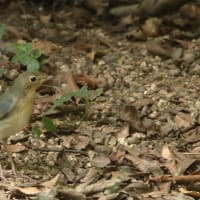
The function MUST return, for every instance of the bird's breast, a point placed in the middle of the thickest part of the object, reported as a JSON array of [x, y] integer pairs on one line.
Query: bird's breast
[[18, 118]]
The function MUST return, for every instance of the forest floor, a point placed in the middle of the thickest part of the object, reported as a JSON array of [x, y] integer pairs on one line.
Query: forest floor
[[138, 140]]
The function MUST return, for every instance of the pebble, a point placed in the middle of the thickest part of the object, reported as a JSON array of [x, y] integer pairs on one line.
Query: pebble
[[174, 72]]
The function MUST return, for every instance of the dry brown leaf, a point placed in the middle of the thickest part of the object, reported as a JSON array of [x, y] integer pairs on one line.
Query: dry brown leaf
[[118, 156], [166, 195], [190, 10], [67, 141], [183, 120], [45, 18], [46, 47], [81, 142], [51, 182], [151, 26], [45, 186], [67, 79], [91, 55], [99, 186], [130, 115], [136, 34], [15, 148], [29, 190], [100, 160], [177, 163], [124, 132], [85, 79], [168, 127], [145, 165], [166, 153], [65, 166], [189, 192], [164, 50], [185, 44]]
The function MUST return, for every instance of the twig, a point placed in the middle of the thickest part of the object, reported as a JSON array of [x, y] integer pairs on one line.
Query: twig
[[180, 179], [54, 149]]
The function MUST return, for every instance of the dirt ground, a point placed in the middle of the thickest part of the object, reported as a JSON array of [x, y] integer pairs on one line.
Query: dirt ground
[[138, 140]]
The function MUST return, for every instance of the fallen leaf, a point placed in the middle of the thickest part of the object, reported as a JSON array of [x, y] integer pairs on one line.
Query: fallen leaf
[[91, 55], [51, 182], [130, 115], [176, 163], [189, 192], [164, 50], [42, 187], [46, 47], [15, 148], [45, 18], [123, 133], [65, 166], [190, 10], [136, 34], [151, 26], [183, 120], [81, 142], [85, 79], [100, 160], [29, 190]]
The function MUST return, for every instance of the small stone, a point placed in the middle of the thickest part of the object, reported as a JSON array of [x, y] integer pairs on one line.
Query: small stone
[[136, 138], [162, 103], [174, 72], [101, 62], [197, 104], [189, 56], [154, 115], [143, 64]]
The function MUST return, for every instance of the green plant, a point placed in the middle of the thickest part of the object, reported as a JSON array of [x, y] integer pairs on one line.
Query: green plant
[[26, 55], [83, 93], [47, 123], [114, 188], [36, 132]]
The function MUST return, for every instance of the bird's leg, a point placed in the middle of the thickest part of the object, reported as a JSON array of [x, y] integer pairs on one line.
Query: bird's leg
[[10, 157], [1, 173]]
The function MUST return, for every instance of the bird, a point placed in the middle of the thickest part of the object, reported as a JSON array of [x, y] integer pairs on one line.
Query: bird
[[16, 105]]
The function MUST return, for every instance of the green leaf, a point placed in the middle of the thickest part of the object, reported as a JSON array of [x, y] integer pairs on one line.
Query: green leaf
[[82, 93], [32, 65], [95, 93], [25, 55], [26, 48], [60, 101], [36, 131], [43, 61], [20, 58], [48, 124], [115, 187], [37, 53]]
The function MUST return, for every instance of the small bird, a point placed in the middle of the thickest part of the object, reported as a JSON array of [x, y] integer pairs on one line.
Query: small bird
[[16, 106], [16, 103]]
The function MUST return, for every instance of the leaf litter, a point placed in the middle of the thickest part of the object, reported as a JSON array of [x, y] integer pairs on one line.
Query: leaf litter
[[141, 138]]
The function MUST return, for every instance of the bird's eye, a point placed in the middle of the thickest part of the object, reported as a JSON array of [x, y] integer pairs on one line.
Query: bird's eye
[[32, 79]]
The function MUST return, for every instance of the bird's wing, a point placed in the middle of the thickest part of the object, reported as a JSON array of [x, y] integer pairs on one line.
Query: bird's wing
[[7, 103]]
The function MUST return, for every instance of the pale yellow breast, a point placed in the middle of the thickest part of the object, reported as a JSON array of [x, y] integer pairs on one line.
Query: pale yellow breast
[[18, 118]]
